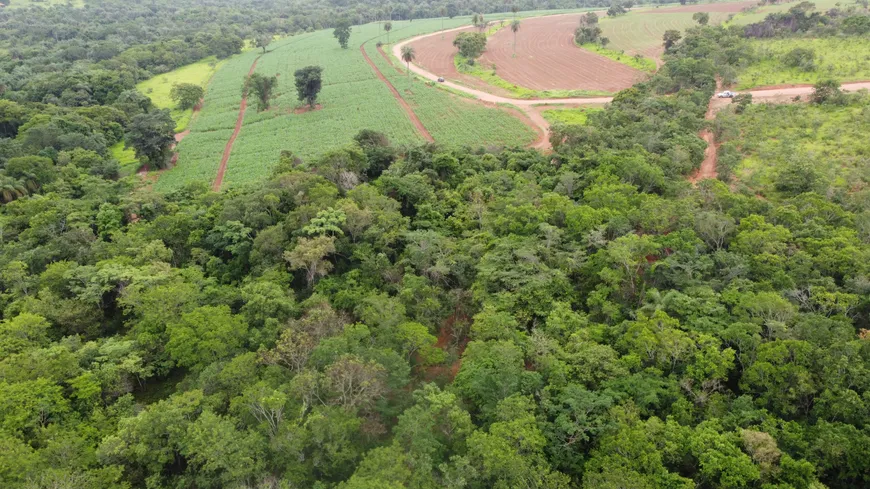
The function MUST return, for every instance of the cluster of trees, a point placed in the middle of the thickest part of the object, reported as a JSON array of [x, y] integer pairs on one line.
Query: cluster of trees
[[802, 19], [470, 44], [428, 316], [589, 31]]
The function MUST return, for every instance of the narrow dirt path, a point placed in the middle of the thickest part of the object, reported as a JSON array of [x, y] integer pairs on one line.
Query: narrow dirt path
[[222, 169], [411, 115], [708, 166]]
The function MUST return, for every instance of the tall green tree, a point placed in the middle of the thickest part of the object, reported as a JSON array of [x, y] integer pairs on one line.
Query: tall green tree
[[308, 84], [152, 136]]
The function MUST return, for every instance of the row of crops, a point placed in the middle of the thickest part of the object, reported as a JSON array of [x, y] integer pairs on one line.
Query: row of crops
[[200, 152], [352, 99]]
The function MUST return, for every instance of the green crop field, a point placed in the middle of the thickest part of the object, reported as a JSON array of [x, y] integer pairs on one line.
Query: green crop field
[[352, 99], [200, 152], [843, 59], [767, 141], [158, 87], [640, 32]]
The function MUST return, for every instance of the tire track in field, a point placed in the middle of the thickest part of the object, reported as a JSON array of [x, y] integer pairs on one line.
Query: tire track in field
[[408, 110], [222, 169]]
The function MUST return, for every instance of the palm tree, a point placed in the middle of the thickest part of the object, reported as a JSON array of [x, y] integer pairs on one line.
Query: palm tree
[[515, 26], [388, 26], [11, 189], [408, 55], [443, 13]]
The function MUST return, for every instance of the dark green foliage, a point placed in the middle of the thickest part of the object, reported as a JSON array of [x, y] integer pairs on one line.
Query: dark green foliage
[[260, 86], [431, 316], [342, 32], [308, 83], [152, 135]]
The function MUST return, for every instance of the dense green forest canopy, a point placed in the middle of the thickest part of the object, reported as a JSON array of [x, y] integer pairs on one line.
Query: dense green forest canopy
[[420, 317]]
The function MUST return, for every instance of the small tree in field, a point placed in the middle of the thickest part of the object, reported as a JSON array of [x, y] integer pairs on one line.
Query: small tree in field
[[388, 26], [408, 55], [515, 26], [308, 84], [342, 32], [263, 41], [670, 38], [261, 86], [186, 95], [443, 13], [702, 18]]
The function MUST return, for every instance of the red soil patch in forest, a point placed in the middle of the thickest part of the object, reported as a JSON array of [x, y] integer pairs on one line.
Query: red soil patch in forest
[[411, 115], [222, 169], [547, 58], [445, 338]]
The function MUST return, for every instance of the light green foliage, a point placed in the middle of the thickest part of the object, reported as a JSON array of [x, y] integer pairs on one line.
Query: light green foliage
[[843, 59], [641, 32], [788, 149], [576, 116], [204, 335]]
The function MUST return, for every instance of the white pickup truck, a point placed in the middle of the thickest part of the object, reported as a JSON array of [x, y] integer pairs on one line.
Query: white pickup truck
[[726, 94]]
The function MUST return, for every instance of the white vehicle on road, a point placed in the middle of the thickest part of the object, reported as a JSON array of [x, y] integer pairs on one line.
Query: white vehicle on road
[[726, 94]]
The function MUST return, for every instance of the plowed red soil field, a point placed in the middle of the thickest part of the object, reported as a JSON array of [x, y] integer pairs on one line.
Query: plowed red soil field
[[547, 58], [435, 54]]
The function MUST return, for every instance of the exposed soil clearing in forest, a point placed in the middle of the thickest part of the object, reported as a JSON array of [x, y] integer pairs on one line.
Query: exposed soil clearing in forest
[[546, 58], [411, 115], [222, 169]]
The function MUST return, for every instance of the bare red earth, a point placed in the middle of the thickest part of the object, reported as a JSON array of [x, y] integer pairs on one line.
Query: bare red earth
[[411, 115], [435, 54], [547, 58], [222, 169]]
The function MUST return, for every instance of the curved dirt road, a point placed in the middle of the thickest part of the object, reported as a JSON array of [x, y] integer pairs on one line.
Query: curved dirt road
[[770, 95]]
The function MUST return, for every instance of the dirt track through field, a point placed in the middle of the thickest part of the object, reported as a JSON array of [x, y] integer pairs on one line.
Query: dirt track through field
[[411, 115], [547, 58], [532, 107], [222, 169]]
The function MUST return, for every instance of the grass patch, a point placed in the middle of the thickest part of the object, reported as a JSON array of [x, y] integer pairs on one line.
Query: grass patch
[[843, 59], [768, 139], [636, 61], [490, 77], [577, 116], [758, 14], [126, 158], [158, 87]]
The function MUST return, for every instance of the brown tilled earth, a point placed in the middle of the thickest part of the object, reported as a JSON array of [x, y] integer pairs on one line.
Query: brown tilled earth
[[547, 58], [435, 54]]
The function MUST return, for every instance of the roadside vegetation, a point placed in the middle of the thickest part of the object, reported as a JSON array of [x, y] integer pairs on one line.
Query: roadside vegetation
[[785, 149]]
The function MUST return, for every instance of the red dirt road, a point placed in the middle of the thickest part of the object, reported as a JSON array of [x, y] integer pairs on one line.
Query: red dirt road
[[547, 58], [222, 169], [411, 115]]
